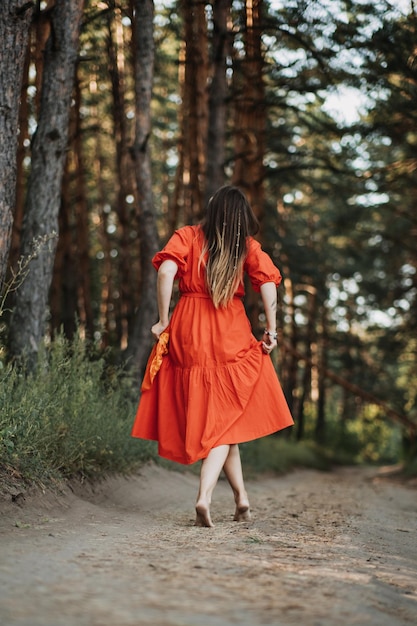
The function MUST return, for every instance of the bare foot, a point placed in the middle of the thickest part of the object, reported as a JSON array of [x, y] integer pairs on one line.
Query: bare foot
[[242, 513], [203, 515]]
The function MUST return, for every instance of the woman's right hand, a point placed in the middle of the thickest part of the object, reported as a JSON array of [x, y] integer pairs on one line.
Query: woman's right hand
[[158, 328], [269, 341]]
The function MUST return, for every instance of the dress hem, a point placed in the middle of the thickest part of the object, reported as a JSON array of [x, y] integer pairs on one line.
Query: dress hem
[[204, 453]]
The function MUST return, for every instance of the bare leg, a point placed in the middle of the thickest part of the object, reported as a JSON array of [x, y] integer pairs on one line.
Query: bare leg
[[209, 475], [233, 471]]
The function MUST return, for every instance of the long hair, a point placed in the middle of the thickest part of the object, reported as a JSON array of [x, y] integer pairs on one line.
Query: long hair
[[228, 222]]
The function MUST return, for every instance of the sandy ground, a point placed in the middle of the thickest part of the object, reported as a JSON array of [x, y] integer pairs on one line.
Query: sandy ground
[[322, 549]]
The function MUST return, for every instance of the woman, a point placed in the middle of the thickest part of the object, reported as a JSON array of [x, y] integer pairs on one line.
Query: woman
[[216, 386]]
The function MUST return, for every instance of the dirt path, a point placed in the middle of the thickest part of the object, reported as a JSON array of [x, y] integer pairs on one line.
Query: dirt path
[[321, 550]]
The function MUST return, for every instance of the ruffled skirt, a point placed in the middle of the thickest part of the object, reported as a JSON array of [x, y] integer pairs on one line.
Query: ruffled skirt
[[215, 386]]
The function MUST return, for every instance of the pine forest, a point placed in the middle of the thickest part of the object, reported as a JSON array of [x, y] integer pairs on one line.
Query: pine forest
[[118, 121]]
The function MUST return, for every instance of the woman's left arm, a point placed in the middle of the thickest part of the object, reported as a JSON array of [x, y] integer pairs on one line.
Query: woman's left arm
[[269, 300]]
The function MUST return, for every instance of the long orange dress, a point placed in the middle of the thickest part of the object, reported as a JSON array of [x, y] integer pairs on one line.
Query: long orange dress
[[215, 385]]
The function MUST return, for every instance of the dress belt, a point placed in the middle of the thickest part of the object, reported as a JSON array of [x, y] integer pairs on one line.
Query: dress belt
[[195, 294], [199, 294]]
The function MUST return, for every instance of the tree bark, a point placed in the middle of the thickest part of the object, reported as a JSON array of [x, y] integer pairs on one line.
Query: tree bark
[[194, 114], [218, 91], [125, 182], [22, 150], [250, 110], [70, 294], [250, 122], [140, 339], [44, 187], [106, 318], [84, 308], [290, 362], [63, 291], [320, 430], [15, 20], [310, 340]]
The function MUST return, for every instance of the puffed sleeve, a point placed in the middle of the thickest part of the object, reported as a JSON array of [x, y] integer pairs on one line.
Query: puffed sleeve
[[176, 249], [259, 266]]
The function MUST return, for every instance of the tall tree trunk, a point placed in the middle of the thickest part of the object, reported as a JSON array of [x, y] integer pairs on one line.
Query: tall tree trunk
[[194, 111], [140, 340], [125, 177], [250, 121], [218, 91], [21, 174], [70, 295], [320, 430], [84, 306], [287, 365], [44, 187], [290, 361], [306, 377], [63, 292], [38, 37], [176, 210], [106, 319], [250, 125], [15, 20]]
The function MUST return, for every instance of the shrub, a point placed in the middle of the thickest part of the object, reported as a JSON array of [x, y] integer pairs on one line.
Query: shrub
[[72, 416], [278, 454]]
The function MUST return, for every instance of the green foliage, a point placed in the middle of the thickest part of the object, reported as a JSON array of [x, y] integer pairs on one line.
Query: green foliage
[[339, 219], [369, 438], [365, 436], [279, 454], [410, 467], [72, 416]]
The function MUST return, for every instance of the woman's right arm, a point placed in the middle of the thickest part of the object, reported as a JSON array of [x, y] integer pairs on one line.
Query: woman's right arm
[[165, 281]]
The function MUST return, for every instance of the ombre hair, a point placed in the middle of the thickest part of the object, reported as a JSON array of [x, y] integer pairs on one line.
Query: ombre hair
[[228, 222]]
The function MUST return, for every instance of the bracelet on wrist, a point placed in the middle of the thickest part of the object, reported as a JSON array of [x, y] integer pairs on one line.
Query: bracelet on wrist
[[271, 333]]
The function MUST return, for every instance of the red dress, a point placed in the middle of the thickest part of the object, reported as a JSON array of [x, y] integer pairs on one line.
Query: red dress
[[215, 385]]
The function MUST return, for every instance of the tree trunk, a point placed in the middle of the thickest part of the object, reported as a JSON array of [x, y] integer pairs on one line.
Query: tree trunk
[[21, 173], [310, 340], [106, 319], [218, 90], [320, 430], [44, 187], [63, 292], [250, 121], [290, 362], [84, 306], [140, 340], [194, 111], [125, 178], [38, 37], [70, 294], [15, 20], [249, 130]]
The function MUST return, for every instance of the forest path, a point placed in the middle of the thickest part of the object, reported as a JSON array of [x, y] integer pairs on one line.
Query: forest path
[[322, 549]]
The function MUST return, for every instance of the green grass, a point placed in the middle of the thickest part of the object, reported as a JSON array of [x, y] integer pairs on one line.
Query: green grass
[[71, 417]]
